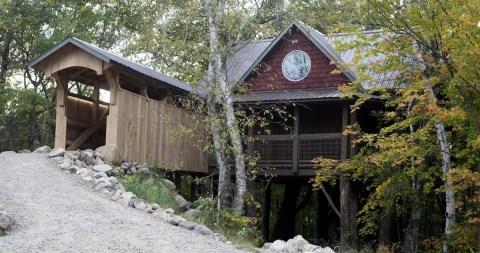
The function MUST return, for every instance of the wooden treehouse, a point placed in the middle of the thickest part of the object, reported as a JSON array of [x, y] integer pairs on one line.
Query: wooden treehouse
[[301, 70], [139, 113]]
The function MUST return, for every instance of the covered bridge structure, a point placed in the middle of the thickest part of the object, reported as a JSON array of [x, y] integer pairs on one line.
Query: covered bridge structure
[[139, 111]]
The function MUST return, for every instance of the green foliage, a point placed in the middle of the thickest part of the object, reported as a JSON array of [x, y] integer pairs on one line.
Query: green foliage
[[238, 229], [151, 189]]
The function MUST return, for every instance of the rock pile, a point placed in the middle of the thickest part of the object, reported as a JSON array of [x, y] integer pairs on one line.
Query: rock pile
[[295, 245], [92, 167], [6, 221]]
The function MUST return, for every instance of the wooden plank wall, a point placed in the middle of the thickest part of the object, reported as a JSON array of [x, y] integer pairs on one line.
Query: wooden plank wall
[[148, 132]]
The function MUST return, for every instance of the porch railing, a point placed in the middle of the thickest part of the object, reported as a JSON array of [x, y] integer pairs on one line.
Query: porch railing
[[291, 151]]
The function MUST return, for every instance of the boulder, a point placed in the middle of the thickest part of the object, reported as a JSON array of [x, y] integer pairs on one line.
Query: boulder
[[113, 180], [155, 206], [219, 237], [175, 220], [6, 221], [100, 175], [102, 168], [127, 197], [297, 242], [201, 229], [169, 211], [24, 151], [139, 204], [324, 250], [101, 186], [169, 184], [89, 160], [281, 246], [124, 166], [143, 170], [88, 173], [267, 245], [311, 247], [181, 202], [110, 153], [44, 149], [190, 225], [65, 165], [99, 161], [72, 154]]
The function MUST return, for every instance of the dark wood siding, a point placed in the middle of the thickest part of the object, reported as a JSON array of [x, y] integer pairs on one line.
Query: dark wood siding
[[269, 75]]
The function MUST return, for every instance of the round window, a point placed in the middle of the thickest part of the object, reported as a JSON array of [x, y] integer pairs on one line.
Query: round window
[[296, 65]]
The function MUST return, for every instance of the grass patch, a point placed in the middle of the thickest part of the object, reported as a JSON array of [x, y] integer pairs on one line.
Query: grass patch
[[151, 189], [236, 229]]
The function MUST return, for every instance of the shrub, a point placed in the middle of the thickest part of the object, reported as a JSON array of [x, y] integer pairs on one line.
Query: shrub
[[236, 228], [151, 189]]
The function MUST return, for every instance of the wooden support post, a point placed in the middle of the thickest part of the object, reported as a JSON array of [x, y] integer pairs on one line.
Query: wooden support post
[[61, 111], [267, 199], [95, 109], [295, 141], [112, 119], [251, 207]]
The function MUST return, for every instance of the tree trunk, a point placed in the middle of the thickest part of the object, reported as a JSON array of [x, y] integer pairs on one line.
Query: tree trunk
[[223, 93], [445, 157], [5, 55], [411, 235], [348, 213]]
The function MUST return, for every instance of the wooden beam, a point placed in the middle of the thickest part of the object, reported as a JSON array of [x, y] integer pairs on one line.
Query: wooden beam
[[78, 123], [88, 132], [113, 83], [295, 140], [61, 111]]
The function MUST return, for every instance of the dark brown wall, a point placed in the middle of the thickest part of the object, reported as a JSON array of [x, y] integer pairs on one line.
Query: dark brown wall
[[269, 74]]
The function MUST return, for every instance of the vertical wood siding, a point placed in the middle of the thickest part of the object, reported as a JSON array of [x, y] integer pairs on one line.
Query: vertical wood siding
[[148, 131]]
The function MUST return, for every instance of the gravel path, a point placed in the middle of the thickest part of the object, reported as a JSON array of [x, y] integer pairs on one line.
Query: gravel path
[[58, 212]]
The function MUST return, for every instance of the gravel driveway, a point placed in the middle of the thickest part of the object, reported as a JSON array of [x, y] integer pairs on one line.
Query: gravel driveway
[[58, 212]]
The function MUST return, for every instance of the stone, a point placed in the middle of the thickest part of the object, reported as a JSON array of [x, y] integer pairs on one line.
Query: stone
[[219, 237], [100, 175], [113, 180], [81, 170], [6, 221], [102, 168], [73, 169], [201, 229], [87, 178], [169, 185], [143, 170], [297, 242], [72, 154], [175, 220], [101, 186], [139, 204], [310, 247], [44, 149], [24, 151], [155, 206], [78, 163], [89, 160], [110, 153], [65, 165], [88, 173], [158, 214], [267, 245], [82, 156], [169, 211], [99, 161], [127, 197], [117, 195], [324, 250], [190, 225], [124, 166], [280, 246], [101, 180], [181, 202]]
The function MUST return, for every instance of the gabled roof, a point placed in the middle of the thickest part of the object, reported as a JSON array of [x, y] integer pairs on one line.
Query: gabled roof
[[115, 60], [249, 55]]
